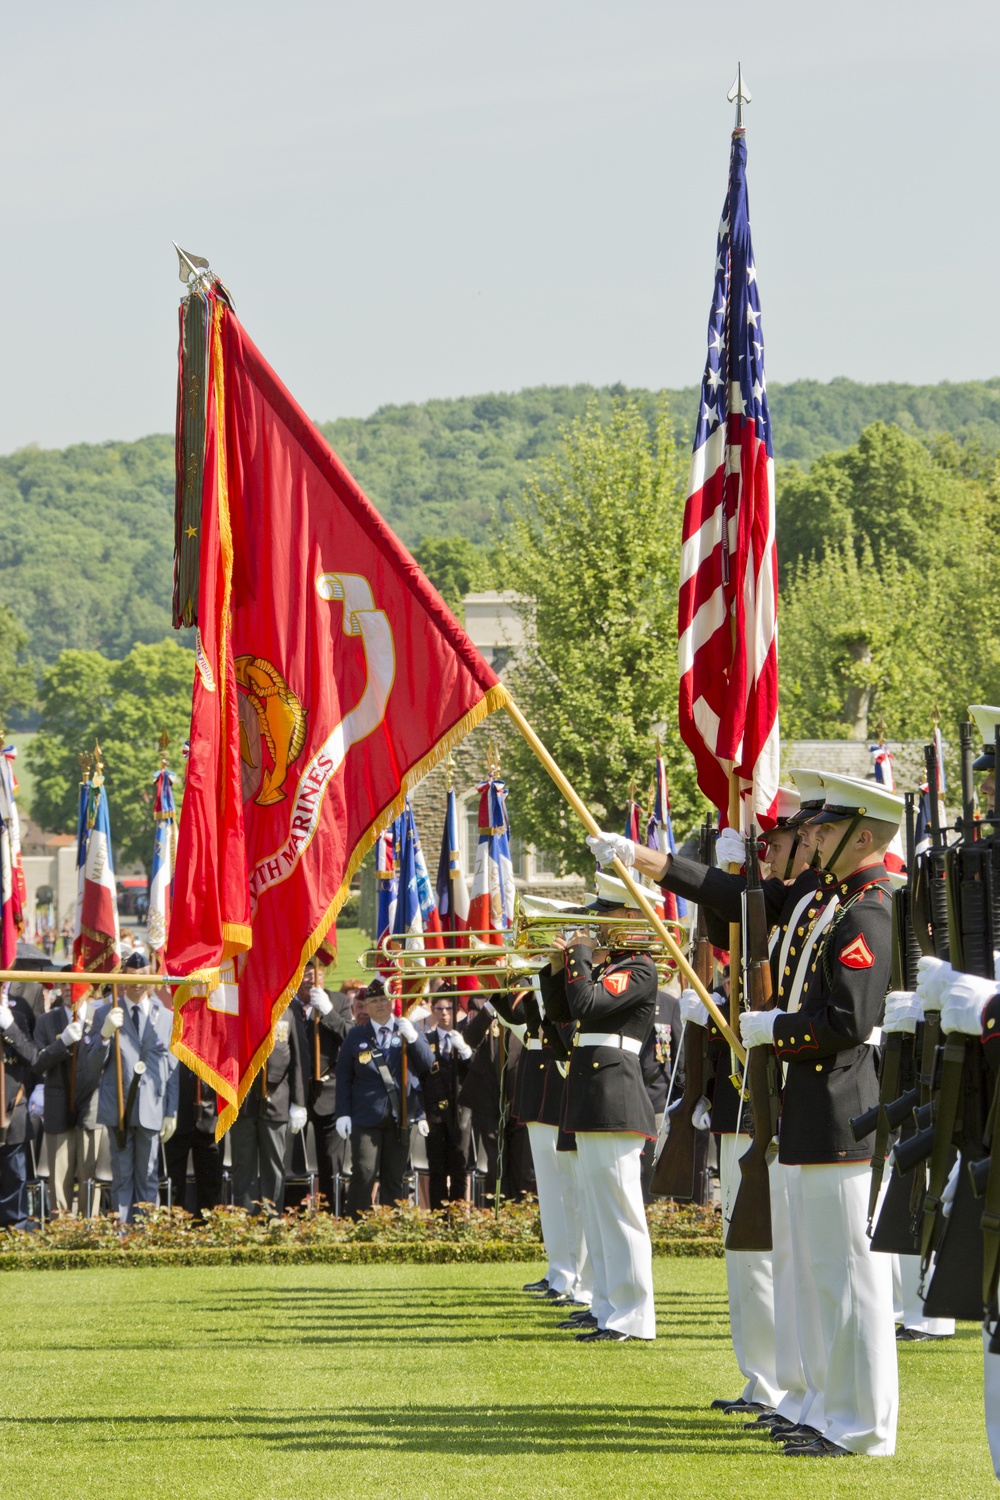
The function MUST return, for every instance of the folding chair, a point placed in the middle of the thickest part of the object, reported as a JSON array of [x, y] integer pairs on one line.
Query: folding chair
[[300, 1160]]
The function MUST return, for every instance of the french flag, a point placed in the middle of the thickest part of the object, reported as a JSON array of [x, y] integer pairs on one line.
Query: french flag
[[452, 891], [491, 907], [426, 894], [96, 938], [162, 873], [12, 888]]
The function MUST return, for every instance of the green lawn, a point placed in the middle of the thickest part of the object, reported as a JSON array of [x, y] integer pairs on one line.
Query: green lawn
[[329, 1383], [350, 942]]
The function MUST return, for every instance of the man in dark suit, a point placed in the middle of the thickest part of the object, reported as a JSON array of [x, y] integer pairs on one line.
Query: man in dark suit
[[69, 1105], [449, 1123], [274, 1105], [16, 1026], [370, 1100], [612, 994], [197, 1116], [324, 1021]]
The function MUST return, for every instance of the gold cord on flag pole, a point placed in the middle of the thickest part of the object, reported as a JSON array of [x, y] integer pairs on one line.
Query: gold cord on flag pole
[[635, 890]]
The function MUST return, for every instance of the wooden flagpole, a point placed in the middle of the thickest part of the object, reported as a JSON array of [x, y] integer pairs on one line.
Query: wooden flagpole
[[635, 890]]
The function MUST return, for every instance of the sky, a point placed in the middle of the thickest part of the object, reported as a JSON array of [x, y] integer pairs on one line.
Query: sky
[[442, 199]]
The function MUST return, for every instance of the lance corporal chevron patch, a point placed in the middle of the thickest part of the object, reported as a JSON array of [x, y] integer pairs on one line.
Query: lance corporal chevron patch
[[857, 955]]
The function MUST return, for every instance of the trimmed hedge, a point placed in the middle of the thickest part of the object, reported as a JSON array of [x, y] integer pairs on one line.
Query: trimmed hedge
[[229, 1236]]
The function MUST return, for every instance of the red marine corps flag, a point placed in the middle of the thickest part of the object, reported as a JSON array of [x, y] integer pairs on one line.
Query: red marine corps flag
[[727, 616], [330, 676]]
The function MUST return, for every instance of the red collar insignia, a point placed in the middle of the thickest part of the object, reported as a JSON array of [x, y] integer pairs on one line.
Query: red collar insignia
[[616, 984], [857, 955]]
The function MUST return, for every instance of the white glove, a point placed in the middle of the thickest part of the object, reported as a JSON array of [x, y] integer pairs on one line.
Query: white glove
[[757, 1027], [460, 1045], [36, 1102], [72, 1033], [693, 1009], [114, 1018], [949, 1190], [343, 1127], [701, 1115], [902, 1011], [297, 1117], [407, 1030], [168, 1127], [423, 1128], [965, 999], [320, 1000], [933, 976], [730, 849], [6, 1016], [606, 847]]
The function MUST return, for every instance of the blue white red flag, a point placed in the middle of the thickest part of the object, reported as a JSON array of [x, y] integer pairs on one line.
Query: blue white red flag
[[453, 894], [386, 881], [408, 922], [12, 889], [96, 936], [425, 891], [491, 906], [162, 873], [660, 836], [727, 612]]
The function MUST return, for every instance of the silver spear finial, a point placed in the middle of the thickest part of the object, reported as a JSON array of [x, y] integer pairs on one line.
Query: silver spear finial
[[192, 268], [738, 94]]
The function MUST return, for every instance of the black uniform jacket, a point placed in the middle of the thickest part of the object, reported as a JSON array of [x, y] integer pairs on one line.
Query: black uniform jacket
[[197, 1107], [991, 1033], [540, 1094], [832, 1073], [481, 1089], [331, 1030], [285, 1077], [605, 1088], [19, 1077], [442, 1084]]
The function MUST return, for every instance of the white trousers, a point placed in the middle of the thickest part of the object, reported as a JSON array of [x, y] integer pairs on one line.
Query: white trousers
[[844, 1309], [907, 1303], [568, 1164], [789, 1371], [562, 1228], [617, 1235], [991, 1400], [750, 1284]]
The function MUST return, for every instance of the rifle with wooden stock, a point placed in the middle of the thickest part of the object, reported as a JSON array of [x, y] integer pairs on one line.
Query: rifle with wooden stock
[[750, 1221], [674, 1170]]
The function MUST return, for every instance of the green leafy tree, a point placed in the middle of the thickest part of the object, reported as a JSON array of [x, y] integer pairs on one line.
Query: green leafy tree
[[17, 686], [125, 706], [593, 551], [456, 567]]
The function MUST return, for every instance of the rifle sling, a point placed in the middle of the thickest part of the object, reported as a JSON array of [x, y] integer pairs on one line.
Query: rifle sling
[[892, 1058]]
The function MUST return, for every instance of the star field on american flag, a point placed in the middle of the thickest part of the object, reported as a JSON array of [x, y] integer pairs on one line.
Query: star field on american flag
[[734, 261]]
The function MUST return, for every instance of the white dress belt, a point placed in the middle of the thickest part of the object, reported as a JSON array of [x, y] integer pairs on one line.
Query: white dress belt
[[609, 1039], [534, 1044]]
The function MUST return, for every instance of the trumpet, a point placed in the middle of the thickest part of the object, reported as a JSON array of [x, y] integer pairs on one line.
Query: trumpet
[[523, 950]]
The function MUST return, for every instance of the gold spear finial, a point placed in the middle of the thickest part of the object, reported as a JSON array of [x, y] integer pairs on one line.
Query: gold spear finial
[[881, 731], [98, 777], [85, 763]]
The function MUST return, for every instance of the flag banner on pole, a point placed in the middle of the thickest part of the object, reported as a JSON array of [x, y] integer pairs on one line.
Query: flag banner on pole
[[386, 883], [162, 872], [727, 614], [633, 821], [330, 677], [453, 895], [491, 905], [426, 894], [12, 887], [895, 856], [97, 936], [660, 836]]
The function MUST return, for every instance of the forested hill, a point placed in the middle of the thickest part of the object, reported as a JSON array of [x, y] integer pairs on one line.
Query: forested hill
[[87, 531]]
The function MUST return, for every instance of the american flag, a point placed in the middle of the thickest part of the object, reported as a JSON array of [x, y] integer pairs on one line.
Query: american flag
[[727, 616]]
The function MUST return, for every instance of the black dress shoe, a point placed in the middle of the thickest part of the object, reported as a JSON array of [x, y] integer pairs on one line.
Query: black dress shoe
[[589, 1336], [743, 1408], [720, 1403], [551, 1295], [917, 1336], [796, 1433], [821, 1448], [563, 1299], [536, 1286], [612, 1336], [766, 1422], [579, 1325]]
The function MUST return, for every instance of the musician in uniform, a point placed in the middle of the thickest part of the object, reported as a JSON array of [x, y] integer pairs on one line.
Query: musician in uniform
[[611, 993], [828, 1047], [149, 1086], [449, 1123], [324, 1020], [371, 1099]]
